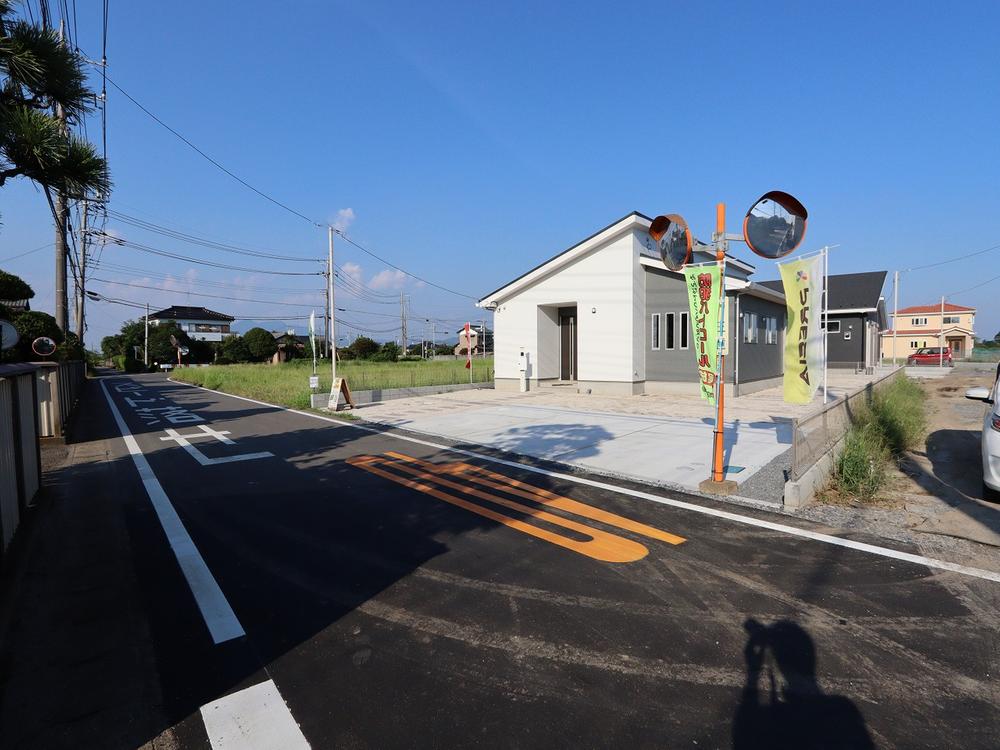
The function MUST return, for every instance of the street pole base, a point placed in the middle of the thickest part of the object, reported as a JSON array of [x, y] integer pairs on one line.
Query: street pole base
[[724, 487]]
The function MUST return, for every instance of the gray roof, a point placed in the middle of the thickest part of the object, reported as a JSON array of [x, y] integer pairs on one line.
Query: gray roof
[[181, 312], [849, 291]]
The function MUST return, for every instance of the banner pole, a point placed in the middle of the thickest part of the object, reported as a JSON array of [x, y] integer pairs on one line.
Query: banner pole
[[826, 318]]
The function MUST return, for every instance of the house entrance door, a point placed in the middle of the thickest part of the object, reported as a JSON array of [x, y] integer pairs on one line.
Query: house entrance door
[[567, 343]]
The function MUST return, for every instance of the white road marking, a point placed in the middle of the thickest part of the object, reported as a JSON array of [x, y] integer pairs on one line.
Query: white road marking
[[206, 431], [222, 623], [253, 719], [200, 457], [873, 549]]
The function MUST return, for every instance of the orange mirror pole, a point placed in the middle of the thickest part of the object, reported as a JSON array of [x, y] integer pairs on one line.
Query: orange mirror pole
[[719, 448]]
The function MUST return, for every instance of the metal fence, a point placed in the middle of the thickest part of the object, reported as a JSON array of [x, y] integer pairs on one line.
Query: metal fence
[[59, 385], [20, 464], [814, 436]]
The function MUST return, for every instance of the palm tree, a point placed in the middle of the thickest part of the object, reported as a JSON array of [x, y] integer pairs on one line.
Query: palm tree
[[43, 90]]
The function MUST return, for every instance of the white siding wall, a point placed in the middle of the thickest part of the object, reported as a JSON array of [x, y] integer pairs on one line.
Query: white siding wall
[[604, 279]]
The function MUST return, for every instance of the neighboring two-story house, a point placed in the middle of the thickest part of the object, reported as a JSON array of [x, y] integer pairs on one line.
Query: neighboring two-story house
[[199, 323], [915, 327]]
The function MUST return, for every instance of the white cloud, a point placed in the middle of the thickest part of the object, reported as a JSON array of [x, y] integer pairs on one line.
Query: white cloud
[[353, 270], [388, 279], [345, 217]]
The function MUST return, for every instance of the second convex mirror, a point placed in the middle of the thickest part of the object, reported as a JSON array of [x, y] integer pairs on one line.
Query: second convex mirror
[[673, 240], [775, 225]]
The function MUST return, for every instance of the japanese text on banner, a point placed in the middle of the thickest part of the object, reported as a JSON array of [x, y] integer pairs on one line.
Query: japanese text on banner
[[704, 287], [803, 283]]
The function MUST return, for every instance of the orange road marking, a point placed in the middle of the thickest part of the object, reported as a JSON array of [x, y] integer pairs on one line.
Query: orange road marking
[[429, 477], [539, 495], [602, 545]]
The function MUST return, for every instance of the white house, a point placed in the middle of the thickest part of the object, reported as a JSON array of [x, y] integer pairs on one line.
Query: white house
[[606, 316], [198, 323]]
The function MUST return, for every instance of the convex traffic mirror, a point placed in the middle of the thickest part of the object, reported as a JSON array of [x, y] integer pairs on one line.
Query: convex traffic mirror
[[775, 225], [673, 239]]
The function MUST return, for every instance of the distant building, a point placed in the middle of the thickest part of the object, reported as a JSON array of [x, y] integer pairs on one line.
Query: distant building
[[199, 323], [923, 325], [855, 317], [477, 346]]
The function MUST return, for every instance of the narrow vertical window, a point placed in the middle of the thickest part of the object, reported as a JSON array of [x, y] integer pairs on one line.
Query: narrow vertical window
[[655, 332], [684, 330], [668, 330]]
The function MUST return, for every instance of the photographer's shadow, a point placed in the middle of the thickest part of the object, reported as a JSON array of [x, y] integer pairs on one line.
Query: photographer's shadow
[[790, 710]]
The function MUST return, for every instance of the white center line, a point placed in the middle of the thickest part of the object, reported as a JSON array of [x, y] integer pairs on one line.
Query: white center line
[[222, 623], [815, 536]]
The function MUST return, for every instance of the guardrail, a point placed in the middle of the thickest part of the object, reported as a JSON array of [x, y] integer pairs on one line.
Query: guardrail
[[814, 436], [20, 460], [59, 385]]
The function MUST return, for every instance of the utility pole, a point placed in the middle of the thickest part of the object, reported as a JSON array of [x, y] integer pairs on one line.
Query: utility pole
[[402, 320], [332, 346], [62, 299], [941, 338], [145, 346], [82, 291], [326, 314], [895, 313]]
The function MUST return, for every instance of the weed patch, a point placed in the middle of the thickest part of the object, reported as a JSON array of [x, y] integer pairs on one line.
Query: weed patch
[[893, 423]]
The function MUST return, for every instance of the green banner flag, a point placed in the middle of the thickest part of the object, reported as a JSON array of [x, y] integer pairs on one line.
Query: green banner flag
[[803, 283], [704, 284]]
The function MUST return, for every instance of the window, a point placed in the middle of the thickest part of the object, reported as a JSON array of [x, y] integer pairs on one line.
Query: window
[[951, 319], [750, 335], [684, 330], [668, 330], [833, 326], [913, 344], [655, 332], [770, 330], [918, 321]]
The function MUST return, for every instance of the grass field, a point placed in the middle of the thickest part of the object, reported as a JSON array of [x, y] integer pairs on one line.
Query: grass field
[[288, 384]]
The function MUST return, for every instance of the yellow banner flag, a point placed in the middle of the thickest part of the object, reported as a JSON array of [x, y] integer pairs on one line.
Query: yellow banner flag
[[803, 282]]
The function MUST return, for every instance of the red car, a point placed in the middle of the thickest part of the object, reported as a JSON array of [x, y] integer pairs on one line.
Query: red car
[[930, 355]]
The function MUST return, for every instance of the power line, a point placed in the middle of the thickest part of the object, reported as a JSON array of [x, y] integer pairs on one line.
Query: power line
[[274, 200], [117, 268], [953, 260], [204, 241], [29, 252], [365, 250], [198, 261], [239, 179], [963, 291], [203, 294]]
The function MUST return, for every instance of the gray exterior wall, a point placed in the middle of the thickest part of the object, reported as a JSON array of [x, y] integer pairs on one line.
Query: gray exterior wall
[[760, 361], [842, 352], [666, 293]]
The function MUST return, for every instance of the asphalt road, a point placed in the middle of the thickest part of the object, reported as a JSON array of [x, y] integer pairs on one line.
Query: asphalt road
[[352, 588]]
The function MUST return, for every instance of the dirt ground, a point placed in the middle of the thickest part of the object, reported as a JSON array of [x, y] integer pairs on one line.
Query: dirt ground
[[935, 498]]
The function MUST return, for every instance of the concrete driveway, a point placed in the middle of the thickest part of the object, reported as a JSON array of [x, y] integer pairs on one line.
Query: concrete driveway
[[655, 449], [661, 440]]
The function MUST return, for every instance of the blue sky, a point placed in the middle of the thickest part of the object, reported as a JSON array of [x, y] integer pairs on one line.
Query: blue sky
[[467, 142]]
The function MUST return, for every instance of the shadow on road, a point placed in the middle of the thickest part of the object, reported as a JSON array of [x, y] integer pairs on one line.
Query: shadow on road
[[790, 710]]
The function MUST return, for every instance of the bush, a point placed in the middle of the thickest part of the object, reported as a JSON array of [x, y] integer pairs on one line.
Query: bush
[[894, 423], [861, 465]]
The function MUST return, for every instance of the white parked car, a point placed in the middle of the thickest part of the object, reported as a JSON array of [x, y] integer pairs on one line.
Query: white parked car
[[991, 437]]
